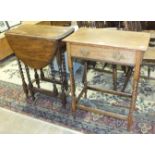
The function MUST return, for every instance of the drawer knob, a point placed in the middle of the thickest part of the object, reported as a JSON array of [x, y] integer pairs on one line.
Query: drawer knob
[[84, 52]]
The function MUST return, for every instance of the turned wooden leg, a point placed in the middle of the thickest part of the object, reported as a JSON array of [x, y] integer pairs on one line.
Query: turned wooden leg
[[25, 87], [85, 78], [136, 77], [128, 75], [114, 68], [72, 81], [30, 83], [37, 78], [72, 88]]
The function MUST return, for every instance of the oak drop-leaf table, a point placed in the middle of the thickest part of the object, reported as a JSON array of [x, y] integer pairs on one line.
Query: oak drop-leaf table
[[36, 46]]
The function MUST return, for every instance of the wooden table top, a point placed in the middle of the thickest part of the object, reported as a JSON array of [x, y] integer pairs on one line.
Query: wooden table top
[[113, 38], [42, 31]]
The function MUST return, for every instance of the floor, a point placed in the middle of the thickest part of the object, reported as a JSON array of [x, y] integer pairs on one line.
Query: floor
[[15, 123]]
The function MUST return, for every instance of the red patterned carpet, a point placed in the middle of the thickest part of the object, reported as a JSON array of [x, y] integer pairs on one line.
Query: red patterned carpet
[[50, 109]]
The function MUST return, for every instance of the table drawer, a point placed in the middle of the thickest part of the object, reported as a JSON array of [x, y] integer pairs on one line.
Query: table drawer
[[107, 54]]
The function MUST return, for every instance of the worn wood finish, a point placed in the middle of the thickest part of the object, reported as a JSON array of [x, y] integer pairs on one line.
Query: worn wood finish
[[42, 31], [55, 23], [36, 53], [36, 45], [124, 54], [92, 44], [5, 49], [103, 53], [112, 38]]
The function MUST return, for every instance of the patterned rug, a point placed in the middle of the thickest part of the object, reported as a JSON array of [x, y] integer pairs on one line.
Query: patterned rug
[[50, 109]]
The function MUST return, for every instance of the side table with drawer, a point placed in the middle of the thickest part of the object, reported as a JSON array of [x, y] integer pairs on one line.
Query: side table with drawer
[[112, 46]]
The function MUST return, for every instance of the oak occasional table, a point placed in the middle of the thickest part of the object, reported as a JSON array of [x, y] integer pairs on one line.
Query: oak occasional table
[[112, 46], [36, 46]]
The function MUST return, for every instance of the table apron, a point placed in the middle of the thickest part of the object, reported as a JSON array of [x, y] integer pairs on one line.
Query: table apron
[[107, 54]]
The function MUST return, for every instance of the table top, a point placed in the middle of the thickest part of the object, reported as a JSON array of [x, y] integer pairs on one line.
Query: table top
[[112, 38], [42, 31]]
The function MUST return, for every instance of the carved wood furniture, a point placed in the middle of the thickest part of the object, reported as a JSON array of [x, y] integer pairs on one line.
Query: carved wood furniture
[[112, 46], [36, 46]]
